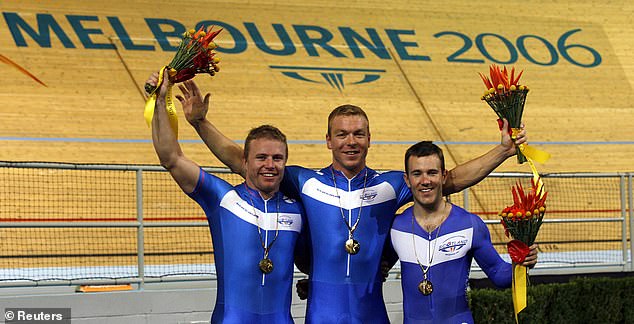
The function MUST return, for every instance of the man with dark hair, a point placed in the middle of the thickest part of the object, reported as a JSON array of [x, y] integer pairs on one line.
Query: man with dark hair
[[436, 242], [253, 226], [424, 148], [349, 209]]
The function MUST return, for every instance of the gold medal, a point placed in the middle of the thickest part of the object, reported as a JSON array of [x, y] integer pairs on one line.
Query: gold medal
[[425, 287], [352, 246], [266, 265]]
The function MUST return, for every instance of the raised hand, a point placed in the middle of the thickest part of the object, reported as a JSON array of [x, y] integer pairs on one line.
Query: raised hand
[[152, 80], [195, 106], [507, 142]]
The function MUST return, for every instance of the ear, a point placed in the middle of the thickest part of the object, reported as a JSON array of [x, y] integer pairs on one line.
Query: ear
[[406, 180], [369, 141], [444, 176], [328, 142]]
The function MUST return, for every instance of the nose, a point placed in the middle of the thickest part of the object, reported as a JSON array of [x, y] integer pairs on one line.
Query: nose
[[268, 163], [350, 140]]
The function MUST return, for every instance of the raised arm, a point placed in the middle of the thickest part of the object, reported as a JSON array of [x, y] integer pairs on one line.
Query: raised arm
[[467, 174], [184, 171], [195, 108]]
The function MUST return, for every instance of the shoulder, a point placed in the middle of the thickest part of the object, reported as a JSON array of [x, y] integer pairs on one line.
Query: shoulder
[[302, 173], [209, 182], [402, 222], [461, 217], [468, 219], [455, 209], [389, 175], [394, 178]]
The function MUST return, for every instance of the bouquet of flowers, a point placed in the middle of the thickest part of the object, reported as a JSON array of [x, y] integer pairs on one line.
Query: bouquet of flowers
[[507, 98], [522, 221], [194, 55]]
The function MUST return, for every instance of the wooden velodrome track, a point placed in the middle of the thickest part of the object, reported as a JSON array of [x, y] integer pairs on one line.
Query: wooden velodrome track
[[428, 87]]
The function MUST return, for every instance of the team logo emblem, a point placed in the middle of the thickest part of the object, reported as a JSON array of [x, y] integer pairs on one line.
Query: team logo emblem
[[453, 244], [285, 221], [369, 195]]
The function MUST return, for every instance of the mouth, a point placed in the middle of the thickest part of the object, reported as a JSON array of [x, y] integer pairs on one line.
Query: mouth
[[350, 153], [268, 175]]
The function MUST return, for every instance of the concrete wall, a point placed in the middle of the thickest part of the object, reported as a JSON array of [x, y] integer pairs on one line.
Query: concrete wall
[[183, 302]]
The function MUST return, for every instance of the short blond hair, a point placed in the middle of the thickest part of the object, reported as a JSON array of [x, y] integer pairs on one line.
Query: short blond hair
[[264, 131], [347, 110]]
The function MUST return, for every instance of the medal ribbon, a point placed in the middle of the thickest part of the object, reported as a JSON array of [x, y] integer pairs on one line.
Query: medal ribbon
[[266, 249], [150, 104], [352, 228]]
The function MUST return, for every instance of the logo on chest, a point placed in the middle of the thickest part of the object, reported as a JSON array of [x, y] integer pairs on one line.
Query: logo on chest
[[285, 220], [369, 195], [453, 245]]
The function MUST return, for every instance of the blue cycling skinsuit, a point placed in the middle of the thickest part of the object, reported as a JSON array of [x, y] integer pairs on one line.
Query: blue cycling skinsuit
[[346, 288], [449, 249], [244, 293]]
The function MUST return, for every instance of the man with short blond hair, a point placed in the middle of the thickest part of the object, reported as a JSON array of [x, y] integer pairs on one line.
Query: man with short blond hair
[[254, 227]]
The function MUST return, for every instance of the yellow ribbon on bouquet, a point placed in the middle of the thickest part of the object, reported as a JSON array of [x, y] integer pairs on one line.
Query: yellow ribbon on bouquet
[[519, 289], [532, 154], [520, 278], [150, 105]]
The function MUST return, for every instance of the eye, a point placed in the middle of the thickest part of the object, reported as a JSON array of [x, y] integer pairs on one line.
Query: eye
[[278, 158]]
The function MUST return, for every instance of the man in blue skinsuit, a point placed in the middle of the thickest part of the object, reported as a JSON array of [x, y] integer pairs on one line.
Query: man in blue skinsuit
[[349, 209], [436, 241], [254, 227]]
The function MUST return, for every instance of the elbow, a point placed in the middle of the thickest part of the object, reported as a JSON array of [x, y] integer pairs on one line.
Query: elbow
[[169, 162], [451, 185], [237, 171], [503, 278]]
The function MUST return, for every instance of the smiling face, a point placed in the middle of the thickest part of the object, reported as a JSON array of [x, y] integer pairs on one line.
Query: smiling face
[[425, 177], [348, 139], [265, 163]]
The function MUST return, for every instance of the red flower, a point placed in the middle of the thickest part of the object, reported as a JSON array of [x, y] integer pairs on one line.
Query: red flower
[[518, 251], [523, 219], [500, 78]]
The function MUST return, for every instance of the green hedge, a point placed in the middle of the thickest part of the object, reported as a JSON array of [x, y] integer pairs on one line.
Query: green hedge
[[583, 300]]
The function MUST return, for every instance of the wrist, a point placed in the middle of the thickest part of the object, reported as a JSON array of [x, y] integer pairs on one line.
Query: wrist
[[198, 122], [503, 152]]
